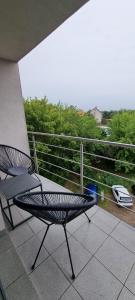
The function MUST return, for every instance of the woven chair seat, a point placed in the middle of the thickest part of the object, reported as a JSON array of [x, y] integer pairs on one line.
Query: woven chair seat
[[15, 171], [55, 207]]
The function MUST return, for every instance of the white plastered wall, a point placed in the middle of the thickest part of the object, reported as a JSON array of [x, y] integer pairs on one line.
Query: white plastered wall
[[12, 118]]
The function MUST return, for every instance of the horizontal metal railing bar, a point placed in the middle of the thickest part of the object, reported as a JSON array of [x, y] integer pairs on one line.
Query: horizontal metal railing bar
[[91, 154], [59, 176], [69, 180], [82, 139], [109, 158], [87, 153], [110, 173], [89, 178], [67, 170], [59, 147], [107, 198], [56, 156], [89, 167], [46, 162]]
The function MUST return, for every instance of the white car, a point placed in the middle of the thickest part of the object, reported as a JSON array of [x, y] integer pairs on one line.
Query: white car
[[122, 196]]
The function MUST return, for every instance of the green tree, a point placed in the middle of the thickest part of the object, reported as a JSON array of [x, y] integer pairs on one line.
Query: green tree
[[42, 116], [123, 130]]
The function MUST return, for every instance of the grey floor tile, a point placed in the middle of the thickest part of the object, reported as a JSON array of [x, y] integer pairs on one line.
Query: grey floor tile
[[125, 235], [105, 221], [90, 236], [116, 258], [71, 294], [130, 283], [21, 234], [76, 223], [3, 200], [126, 295], [10, 267], [15, 214], [36, 225], [49, 185], [2, 223], [1, 298], [96, 283], [28, 251], [22, 289], [7, 225], [49, 280], [80, 257], [25, 214], [5, 242], [55, 237], [92, 211]]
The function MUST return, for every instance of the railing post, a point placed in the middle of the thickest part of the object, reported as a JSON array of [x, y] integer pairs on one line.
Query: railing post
[[81, 168], [35, 153]]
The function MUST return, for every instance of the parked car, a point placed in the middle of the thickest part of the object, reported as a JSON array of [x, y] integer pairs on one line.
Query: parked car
[[122, 196]]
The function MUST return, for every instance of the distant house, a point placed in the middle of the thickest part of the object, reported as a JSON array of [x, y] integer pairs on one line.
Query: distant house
[[97, 114], [81, 112]]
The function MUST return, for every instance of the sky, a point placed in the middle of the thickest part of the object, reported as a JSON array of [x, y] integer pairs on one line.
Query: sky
[[88, 61]]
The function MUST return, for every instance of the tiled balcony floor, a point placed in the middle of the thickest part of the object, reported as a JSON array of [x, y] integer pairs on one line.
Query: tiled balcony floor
[[103, 253]]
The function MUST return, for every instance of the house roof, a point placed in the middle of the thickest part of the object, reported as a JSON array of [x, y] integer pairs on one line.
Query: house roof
[[95, 108], [24, 24]]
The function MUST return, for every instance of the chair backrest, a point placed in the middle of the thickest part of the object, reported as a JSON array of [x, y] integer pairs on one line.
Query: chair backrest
[[13, 157]]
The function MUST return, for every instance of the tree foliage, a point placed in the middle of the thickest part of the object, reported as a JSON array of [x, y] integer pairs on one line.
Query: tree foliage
[[123, 130], [42, 116]]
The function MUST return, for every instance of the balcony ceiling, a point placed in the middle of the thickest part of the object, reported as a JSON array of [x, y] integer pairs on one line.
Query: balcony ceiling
[[24, 24]]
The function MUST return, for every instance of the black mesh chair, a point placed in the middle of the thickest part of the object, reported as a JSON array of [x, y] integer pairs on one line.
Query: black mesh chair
[[14, 162], [55, 208]]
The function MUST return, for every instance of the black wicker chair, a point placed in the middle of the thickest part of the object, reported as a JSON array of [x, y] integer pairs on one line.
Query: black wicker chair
[[14, 162], [55, 208]]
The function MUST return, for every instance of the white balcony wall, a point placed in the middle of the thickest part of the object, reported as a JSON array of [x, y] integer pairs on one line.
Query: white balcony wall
[[13, 130]]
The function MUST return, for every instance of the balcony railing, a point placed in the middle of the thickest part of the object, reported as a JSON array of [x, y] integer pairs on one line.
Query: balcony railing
[[44, 146]]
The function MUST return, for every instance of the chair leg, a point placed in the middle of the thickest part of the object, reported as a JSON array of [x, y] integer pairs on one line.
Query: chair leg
[[42, 192], [10, 214], [87, 217], [73, 274], [33, 266], [41, 188]]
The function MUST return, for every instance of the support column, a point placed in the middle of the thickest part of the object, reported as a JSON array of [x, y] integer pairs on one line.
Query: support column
[[13, 130]]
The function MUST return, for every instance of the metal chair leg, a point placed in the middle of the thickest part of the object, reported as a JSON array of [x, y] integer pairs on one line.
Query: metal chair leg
[[42, 193], [87, 217], [41, 188], [33, 266], [10, 214], [73, 274]]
